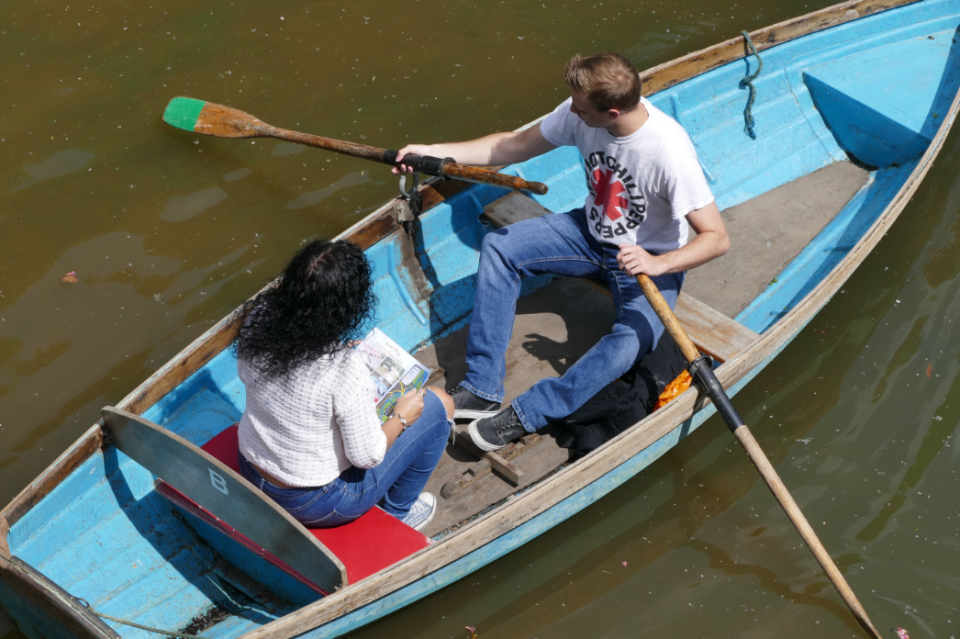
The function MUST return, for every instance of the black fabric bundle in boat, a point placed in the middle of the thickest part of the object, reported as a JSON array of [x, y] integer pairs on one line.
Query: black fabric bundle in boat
[[623, 402]]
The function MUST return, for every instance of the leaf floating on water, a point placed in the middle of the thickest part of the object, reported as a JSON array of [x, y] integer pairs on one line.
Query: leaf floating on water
[[929, 370], [473, 632], [71, 278]]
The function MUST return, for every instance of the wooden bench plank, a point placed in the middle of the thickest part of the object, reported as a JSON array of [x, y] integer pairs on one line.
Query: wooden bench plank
[[713, 332], [512, 208]]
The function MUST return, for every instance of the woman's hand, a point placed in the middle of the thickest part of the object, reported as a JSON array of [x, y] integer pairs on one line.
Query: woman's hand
[[410, 406]]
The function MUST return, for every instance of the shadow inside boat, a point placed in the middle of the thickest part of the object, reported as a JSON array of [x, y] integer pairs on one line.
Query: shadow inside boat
[[888, 144], [188, 561]]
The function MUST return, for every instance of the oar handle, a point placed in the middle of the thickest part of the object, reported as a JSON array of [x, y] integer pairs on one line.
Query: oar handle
[[447, 167], [440, 167], [735, 423]]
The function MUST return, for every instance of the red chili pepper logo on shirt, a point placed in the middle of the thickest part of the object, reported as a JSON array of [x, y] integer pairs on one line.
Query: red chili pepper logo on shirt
[[609, 193]]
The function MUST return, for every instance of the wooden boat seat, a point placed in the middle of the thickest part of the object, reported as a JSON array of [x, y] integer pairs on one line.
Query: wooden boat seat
[[713, 332], [208, 489], [206, 483], [365, 546]]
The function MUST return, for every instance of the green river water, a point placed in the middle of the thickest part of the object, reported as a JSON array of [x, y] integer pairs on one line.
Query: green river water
[[167, 232]]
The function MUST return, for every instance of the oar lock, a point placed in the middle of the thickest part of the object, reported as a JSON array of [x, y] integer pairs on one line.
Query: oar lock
[[410, 204], [697, 363]]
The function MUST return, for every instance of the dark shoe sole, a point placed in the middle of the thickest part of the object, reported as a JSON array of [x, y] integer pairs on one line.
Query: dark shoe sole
[[479, 441], [473, 413]]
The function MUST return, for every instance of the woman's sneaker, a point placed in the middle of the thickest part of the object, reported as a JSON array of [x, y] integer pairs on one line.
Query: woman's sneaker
[[493, 433], [422, 512], [468, 406]]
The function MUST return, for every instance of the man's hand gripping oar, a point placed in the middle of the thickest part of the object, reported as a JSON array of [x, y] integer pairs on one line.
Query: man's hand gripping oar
[[225, 122]]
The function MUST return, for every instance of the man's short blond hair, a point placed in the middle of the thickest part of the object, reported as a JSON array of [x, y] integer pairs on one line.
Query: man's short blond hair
[[609, 80]]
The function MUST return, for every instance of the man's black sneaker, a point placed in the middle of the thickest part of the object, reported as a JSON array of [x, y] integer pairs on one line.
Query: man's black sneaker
[[468, 406], [493, 433]]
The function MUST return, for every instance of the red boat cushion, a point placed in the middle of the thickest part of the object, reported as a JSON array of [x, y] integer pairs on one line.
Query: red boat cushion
[[372, 542]]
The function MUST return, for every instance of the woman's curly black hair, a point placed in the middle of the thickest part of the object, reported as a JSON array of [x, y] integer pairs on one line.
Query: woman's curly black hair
[[322, 298]]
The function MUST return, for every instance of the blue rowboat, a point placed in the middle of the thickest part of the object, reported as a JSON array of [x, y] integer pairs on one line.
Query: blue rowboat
[[143, 520]]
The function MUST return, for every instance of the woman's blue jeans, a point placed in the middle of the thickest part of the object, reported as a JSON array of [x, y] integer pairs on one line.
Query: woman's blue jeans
[[559, 245], [398, 480]]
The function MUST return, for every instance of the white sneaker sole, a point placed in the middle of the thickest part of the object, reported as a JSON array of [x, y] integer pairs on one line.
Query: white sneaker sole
[[466, 413], [479, 441], [423, 524]]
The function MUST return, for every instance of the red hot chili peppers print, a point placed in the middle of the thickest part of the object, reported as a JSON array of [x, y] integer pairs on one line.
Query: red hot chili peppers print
[[618, 205]]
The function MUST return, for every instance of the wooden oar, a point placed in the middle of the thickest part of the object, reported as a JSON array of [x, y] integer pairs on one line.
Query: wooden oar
[[226, 122], [718, 396]]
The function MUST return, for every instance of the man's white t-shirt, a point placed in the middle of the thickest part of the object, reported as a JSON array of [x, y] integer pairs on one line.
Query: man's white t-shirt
[[641, 186]]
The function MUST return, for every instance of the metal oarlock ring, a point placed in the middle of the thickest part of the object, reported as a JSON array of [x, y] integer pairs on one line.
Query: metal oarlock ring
[[404, 193], [410, 205]]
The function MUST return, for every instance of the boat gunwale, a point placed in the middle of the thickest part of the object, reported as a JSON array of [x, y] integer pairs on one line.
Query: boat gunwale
[[61, 468], [382, 223], [41, 590], [680, 69]]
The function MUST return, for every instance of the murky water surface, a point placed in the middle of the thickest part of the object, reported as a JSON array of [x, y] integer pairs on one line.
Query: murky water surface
[[167, 232]]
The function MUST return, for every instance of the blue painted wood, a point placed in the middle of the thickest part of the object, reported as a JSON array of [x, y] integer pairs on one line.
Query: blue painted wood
[[871, 87], [883, 103]]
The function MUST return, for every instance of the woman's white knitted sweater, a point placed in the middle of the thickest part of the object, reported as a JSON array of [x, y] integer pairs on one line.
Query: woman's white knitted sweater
[[314, 423]]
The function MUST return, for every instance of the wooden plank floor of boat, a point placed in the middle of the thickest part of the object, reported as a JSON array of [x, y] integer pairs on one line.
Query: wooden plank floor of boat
[[558, 323], [768, 232], [554, 327]]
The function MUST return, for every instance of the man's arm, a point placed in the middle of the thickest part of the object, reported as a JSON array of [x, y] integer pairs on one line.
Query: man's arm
[[711, 242], [495, 149]]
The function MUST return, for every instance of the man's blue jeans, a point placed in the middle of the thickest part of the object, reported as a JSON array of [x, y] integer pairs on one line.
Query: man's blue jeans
[[397, 480], [560, 245]]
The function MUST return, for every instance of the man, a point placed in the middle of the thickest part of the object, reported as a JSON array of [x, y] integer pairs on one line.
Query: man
[[646, 190]]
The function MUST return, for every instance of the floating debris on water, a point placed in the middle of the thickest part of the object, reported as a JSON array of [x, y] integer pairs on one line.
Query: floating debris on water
[[70, 278]]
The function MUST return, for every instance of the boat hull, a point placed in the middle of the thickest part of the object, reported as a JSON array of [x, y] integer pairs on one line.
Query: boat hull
[[778, 314]]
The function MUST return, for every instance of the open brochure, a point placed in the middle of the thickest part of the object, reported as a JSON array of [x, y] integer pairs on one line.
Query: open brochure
[[394, 371]]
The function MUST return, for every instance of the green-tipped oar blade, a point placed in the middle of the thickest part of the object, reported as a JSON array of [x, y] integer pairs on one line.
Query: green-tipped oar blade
[[209, 118], [183, 113]]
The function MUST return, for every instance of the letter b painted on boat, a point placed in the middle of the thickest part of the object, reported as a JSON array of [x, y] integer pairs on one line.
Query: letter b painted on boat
[[218, 482]]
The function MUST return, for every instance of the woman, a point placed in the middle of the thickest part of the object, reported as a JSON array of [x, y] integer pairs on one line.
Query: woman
[[310, 437]]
